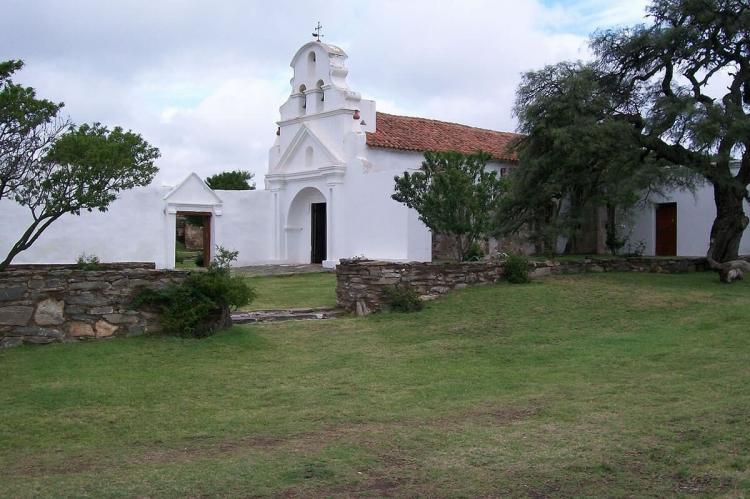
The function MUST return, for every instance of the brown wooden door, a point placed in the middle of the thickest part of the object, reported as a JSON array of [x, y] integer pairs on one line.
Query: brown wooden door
[[666, 229], [206, 240]]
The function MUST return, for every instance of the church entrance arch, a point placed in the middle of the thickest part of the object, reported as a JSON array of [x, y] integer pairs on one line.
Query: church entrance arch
[[307, 229]]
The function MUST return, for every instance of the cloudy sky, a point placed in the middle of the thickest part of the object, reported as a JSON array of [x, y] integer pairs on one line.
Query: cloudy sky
[[203, 80]]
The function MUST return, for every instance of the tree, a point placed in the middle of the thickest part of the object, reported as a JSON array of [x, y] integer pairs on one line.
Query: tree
[[237, 180], [650, 87], [576, 156], [53, 169], [454, 194], [667, 71], [28, 127]]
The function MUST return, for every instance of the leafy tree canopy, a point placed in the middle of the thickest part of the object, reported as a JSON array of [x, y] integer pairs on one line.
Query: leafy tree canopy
[[236, 180], [575, 155], [454, 194], [53, 167], [651, 87]]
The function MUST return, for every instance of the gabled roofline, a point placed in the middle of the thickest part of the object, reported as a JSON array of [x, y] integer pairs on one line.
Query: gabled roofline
[[303, 131], [185, 181]]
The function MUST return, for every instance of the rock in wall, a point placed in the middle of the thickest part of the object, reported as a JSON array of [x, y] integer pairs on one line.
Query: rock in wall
[[45, 304]]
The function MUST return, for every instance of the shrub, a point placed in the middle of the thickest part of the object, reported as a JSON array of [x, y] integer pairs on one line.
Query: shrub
[[199, 259], [517, 269], [88, 262], [403, 299], [200, 305], [475, 253]]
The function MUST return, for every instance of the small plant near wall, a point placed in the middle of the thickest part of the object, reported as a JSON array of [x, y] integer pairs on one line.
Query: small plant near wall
[[516, 269], [403, 299], [200, 306], [475, 253], [88, 262]]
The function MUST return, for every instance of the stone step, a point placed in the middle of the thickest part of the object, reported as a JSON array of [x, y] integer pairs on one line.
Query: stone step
[[287, 314]]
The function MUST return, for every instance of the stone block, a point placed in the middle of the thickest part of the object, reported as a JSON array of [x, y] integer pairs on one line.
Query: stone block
[[15, 315], [121, 318], [10, 342], [86, 299], [104, 329], [100, 310], [14, 293], [49, 312], [39, 335], [36, 283], [55, 284], [89, 285], [79, 329]]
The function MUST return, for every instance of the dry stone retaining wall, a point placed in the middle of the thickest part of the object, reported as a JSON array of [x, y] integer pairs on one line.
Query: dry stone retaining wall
[[52, 303], [360, 283]]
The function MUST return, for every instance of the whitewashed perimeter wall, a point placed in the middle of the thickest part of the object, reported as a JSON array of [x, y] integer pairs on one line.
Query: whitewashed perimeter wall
[[136, 228], [131, 230], [246, 225], [695, 215]]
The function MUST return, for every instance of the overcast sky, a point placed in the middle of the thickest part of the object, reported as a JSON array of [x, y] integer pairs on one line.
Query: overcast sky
[[203, 80]]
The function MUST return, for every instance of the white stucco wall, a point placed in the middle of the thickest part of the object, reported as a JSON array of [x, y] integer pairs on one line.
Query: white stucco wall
[[140, 226], [131, 230], [695, 215], [377, 226], [246, 225]]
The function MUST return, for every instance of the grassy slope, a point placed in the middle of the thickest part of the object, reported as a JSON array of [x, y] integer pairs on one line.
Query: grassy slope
[[293, 291], [607, 384]]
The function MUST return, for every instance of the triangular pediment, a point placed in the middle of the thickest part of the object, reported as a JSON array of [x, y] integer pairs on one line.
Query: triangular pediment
[[193, 190], [297, 156]]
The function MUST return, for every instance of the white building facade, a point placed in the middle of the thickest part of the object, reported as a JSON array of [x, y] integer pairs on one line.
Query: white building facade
[[327, 190]]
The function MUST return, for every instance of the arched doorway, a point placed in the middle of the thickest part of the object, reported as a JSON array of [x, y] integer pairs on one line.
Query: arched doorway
[[306, 230]]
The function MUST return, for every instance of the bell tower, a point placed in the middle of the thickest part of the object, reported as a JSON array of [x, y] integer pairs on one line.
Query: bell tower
[[320, 112]]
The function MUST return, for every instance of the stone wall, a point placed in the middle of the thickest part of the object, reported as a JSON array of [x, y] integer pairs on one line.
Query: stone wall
[[360, 283], [52, 303]]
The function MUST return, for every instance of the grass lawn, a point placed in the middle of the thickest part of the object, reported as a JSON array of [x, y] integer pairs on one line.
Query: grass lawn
[[593, 385], [185, 258], [293, 291]]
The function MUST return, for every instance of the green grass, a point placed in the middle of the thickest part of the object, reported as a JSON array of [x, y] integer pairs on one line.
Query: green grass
[[185, 258], [593, 385], [293, 291]]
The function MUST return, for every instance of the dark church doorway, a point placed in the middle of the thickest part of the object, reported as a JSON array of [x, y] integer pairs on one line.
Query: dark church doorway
[[666, 229], [318, 232]]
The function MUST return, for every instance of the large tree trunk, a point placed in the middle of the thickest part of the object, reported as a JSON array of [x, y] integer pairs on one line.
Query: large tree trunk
[[730, 222]]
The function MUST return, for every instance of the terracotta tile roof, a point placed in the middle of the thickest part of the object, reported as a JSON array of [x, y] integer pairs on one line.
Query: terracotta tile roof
[[420, 134]]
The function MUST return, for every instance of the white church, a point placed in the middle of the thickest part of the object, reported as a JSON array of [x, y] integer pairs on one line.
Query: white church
[[327, 192]]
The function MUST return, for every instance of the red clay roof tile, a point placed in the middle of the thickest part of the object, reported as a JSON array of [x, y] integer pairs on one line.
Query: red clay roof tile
[[420, 134]]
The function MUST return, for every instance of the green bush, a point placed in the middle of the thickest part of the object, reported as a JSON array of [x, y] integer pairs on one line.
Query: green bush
[[199, 260], [517, 269], [200, 305], [475, 253], [88, 262], [402, 299]]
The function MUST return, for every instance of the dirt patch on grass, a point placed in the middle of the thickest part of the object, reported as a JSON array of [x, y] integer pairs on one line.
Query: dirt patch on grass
[[370, 435]]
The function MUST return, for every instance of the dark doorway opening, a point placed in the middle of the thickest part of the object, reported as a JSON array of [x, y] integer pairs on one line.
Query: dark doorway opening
[[318, 232], [666, 229], [192, 239]]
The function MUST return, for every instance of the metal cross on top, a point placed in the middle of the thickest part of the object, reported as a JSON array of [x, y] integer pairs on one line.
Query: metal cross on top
[[317, 34]]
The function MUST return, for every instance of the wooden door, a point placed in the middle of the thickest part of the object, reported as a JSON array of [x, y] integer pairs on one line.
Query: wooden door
[[666, 229], [206, 240], [318, 232]]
